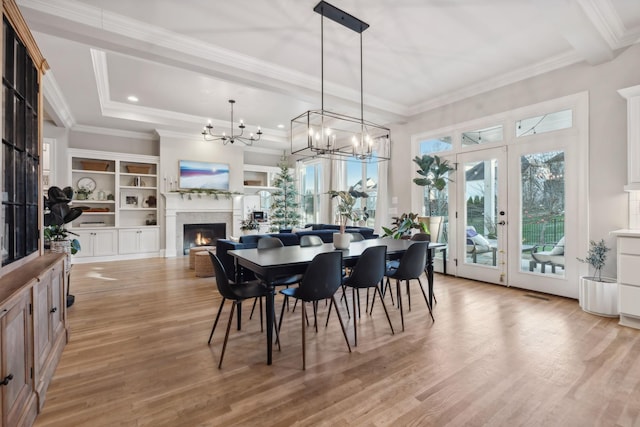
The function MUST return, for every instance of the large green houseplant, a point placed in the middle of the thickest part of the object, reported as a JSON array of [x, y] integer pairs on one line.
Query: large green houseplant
[[434, 175], [403, 225]]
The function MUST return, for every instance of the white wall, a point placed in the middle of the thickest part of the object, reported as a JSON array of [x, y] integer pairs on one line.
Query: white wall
[[608, 206]]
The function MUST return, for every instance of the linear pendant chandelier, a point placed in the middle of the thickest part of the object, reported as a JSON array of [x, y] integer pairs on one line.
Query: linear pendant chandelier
[[322, 133]]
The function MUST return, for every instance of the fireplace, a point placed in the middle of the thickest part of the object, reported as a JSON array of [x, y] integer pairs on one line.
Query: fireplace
[[202, 235]]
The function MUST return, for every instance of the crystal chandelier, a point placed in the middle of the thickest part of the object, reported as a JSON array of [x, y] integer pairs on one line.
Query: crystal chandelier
[[322, 133], [208, 134]]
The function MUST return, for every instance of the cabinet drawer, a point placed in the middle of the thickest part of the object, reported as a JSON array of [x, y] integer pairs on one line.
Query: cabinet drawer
[[629, 245], [629, 300], [629, 269]]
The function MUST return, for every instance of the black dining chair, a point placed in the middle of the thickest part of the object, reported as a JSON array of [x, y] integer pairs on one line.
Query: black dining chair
[[418, 237], [410, 267], [321, 281], [236, 292], [367, 273], [272, 243], [310, 240]]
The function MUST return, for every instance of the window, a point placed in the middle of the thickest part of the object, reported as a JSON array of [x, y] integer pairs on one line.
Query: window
[[545, 123], [434, 145], [311, 189], [20, 159], [363, 177], [482, 136]]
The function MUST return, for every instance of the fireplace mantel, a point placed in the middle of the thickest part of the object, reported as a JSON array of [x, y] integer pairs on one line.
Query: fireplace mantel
[[176, 203]]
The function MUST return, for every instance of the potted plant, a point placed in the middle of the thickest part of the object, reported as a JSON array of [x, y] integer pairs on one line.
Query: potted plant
[[83, 193], [57, 214], [597, 294], [346, 203], [403, 225], [433, 172]]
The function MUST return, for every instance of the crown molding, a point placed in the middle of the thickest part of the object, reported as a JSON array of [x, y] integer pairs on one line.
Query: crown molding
[[114, 132], [53, 95], [557, 62]]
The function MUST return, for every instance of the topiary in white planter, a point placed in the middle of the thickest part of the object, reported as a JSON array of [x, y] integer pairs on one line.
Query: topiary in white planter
[[598, 295]]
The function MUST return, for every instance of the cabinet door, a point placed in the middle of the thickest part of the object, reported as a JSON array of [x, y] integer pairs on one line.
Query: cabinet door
[[105, 242], [42, 333], [86, 240], [128, 240], [15, 333], [149, 240]]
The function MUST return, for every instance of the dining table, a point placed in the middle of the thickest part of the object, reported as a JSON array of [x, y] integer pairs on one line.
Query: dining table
[[289, 260]]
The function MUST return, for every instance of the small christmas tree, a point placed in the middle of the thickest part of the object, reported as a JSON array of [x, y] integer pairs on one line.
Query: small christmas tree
[[285, 209]]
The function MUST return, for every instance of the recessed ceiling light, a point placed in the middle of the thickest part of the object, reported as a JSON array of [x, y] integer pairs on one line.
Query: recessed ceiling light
[[132, 98], [281, 126]]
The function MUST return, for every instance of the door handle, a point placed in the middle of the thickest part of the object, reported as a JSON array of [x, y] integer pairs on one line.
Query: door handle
[[502, 223], [6, 379]]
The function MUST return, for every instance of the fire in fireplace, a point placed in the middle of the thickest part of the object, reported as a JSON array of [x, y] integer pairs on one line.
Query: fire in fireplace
[[202, 235]]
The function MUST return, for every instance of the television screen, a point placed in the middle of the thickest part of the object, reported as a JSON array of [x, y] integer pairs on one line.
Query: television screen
[[204, 175], [258, 215]]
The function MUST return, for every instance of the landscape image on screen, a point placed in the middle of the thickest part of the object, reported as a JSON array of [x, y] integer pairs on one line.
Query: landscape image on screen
[[204, 175]]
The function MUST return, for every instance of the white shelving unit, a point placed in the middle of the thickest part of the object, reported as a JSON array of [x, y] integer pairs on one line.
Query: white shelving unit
[[119, 218]]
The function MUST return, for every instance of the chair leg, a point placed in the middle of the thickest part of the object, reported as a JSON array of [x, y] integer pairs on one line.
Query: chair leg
[[400, 303], [304, 327], [254, 303], [253, 307], [384, 290], [346, 302], [355, 326], [408, 295], [344, 331], [425, 299], [329, 313], [315, 315], [354, 304], [426, 274], [216, 321], [383, 306], [284, 303], [226, 335]]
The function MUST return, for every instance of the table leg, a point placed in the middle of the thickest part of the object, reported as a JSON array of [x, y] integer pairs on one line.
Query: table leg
[[270, 314], [430, 274]]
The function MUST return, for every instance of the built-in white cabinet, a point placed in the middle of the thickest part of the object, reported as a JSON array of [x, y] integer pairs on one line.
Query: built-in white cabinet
[[629, 277], [138, 240], [97, 243], [120, 215]]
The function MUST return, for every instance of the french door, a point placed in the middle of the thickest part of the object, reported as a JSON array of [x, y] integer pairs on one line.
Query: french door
[[482, 218], [513, 208]]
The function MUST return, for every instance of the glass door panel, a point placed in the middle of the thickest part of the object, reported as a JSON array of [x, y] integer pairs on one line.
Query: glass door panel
[[542, 213], [481, 248]]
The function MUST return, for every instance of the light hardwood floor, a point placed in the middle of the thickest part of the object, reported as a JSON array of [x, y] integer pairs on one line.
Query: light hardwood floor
[[138, 356]]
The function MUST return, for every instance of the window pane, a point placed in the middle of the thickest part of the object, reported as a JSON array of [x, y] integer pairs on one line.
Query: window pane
[[435, 145], [483, 136], [543, 201], [545, 123]]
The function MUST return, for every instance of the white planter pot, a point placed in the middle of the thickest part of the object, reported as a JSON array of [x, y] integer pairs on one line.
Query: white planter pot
[[341, 240], [599, 298]]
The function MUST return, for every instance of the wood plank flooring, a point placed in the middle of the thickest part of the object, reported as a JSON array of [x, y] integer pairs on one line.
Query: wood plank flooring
[[138, 356]]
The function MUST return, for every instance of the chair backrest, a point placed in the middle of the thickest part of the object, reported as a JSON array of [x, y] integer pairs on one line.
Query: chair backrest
[[370, 268], [310, 240], [222, 281], [356, 237], [412, 262], [269, 243], [322, 278], [421, 237]]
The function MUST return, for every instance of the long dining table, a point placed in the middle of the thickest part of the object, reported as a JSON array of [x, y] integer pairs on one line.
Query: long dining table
[[276, 262]]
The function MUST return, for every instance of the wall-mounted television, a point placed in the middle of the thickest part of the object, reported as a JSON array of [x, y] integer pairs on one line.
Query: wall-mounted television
[[204, 175]]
